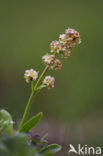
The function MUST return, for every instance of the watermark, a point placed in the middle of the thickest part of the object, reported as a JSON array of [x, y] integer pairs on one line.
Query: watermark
[[84, 149]]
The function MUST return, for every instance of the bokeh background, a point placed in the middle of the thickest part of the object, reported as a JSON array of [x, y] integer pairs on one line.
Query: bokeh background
[[73, 110]]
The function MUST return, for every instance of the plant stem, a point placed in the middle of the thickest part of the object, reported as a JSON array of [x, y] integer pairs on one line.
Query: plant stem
[[27, 109], [41, 77], [33, 93]]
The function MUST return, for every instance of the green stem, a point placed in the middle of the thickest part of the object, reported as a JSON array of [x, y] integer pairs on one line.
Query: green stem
[[27, 109], [41, 77], [33, 93]]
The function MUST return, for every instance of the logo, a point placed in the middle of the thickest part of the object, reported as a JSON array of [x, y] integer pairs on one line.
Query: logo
[[84, 150]]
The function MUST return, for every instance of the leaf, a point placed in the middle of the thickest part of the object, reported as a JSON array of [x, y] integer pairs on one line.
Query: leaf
[[51, 148], [16, 145], [48, 154], [45, 136], [6, 122], [31, 123]]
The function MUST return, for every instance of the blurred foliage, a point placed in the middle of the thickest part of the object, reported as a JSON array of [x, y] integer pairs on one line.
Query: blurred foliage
[[18, 145], [6, 123], [26, 30], [13, 143]]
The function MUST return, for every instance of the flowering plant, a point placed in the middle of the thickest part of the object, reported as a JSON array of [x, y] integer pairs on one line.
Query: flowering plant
[[22, 140]]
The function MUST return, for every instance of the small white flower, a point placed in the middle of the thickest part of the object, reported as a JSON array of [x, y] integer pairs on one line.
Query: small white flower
[[74, 36], [69, 31], [63, 39], [57, 65], [48, 59], [30, 75], [66, 53], [49, 81], [55, 47]]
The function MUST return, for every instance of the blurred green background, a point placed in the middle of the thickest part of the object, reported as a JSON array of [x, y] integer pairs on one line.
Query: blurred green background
[[26, 30]]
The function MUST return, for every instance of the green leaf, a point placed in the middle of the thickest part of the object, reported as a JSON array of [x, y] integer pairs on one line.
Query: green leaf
[[48, 154], [51, 148], [31, 123], [6, 122], [45, 136], [16, 145]]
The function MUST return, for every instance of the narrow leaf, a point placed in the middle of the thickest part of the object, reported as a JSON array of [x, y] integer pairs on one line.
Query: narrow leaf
[[51, 148], [31, 123]]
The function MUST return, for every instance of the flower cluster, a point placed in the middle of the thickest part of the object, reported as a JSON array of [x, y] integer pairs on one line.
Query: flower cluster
[[63, 47], [55, 47], [65, 43], [49, 82], [51, 62], [57, 65], [30, 75], [48, 59], [70, 38]]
